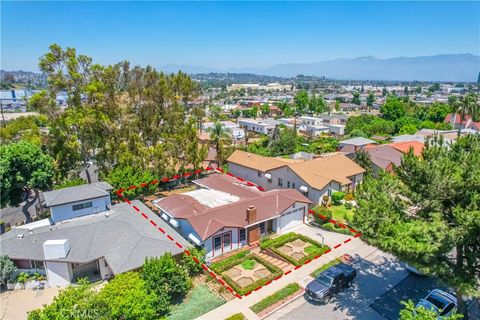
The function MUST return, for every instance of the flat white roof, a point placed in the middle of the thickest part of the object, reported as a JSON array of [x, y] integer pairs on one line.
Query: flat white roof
[[36, 224], [212, 198]]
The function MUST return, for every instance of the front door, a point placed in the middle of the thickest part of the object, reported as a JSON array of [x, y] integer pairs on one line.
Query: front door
[[227, 242], [217, 246]]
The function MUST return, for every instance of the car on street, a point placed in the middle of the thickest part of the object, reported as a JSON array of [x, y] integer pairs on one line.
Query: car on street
[[442, 303], [330, 282]]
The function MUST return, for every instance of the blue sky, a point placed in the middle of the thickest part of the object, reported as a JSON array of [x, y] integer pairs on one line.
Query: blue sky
[[235, 34]]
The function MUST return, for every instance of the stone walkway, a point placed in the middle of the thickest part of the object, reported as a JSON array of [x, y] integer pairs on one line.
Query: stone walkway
[[270, 257]]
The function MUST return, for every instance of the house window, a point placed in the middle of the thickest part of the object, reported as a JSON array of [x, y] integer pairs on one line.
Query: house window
[[259, 173], [82, 206], [37, 264], [243, 235], [280, 182], [288, 184], [293, 185], [262, 228]]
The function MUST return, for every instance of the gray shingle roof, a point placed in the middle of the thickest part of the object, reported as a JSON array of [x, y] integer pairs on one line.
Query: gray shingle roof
[[124, 238], [357, 141], [77, 193]]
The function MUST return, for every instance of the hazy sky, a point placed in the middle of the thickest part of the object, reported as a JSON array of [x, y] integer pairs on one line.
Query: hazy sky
[[235, 34]]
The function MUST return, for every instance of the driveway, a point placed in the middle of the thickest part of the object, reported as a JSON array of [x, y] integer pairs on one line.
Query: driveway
[[377, 273], [16, 303]]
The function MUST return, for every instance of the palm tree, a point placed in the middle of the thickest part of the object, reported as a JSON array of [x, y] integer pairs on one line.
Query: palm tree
[[219, 135], [466, 106]]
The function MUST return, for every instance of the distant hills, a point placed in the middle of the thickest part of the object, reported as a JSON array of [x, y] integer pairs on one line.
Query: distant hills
[[445, 67]]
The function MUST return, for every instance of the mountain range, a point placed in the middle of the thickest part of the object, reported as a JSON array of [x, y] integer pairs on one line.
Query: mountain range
[[444, 67]]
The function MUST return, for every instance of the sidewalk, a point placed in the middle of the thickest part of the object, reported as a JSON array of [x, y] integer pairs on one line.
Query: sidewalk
[[356, 248]]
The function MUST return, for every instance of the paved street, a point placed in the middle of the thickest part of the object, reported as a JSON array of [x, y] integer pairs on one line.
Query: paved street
[[377, 273]]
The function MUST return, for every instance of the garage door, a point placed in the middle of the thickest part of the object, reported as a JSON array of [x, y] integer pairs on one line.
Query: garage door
[[291, 219]]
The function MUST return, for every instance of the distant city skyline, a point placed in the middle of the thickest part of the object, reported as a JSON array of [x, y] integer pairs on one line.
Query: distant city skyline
[[225, 35]]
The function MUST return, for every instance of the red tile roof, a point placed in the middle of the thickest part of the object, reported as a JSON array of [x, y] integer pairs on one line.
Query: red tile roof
[[405, 146]]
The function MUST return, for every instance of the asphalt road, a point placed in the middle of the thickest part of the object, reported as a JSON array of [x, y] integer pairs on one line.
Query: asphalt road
[[376, 275]]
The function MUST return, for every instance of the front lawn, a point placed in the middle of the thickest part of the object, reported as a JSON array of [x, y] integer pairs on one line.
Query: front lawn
[[198, 301], [245, 272], [293, 247], [341, 213]]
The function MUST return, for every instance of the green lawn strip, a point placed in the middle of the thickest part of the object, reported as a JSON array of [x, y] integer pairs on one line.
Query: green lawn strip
[[325, 267], [199, 301], [274, 298], [229, 262], [236, 316], [273, 244], [275, 272]]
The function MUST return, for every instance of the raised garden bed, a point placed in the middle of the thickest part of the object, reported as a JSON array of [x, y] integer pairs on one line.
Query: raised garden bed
[[295, 248], [277, 299], [245, 272]]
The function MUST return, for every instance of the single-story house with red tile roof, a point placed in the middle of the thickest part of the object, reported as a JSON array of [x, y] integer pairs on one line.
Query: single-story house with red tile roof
[[225, 214]]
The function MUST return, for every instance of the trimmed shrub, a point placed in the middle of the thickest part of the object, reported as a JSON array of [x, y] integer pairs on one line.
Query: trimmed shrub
[[248, 264], [337, 197], [274, 298], [331, 227], [229, 262], [348, 205], [275, 272], [321, 210], [275, 243]]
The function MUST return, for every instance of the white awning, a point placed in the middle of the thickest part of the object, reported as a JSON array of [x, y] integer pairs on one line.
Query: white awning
[[304, 189], [165, 217], [174, 223], [268, 175], [194, 239]]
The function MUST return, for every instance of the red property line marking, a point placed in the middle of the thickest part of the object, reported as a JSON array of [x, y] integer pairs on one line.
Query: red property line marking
[[120, 194]]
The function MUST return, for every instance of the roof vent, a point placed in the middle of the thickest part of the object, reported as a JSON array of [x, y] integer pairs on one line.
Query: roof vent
[[19, 236], [107, 214]]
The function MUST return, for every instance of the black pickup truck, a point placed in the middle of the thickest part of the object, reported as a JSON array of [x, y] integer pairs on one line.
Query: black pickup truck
[[329, 282]]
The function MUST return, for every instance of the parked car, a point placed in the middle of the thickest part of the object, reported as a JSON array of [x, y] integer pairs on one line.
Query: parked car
[[442, 303], [329, 282]]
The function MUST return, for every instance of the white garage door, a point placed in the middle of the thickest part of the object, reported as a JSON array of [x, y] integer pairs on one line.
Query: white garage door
[[291, 219]]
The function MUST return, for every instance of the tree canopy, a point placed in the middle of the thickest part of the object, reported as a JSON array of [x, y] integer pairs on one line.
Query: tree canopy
[[429, 212]]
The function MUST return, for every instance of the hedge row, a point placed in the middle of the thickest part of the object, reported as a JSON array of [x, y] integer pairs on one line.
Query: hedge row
[[274, 298], [225, 264], [275, 272], [274, 243], [331, 227]]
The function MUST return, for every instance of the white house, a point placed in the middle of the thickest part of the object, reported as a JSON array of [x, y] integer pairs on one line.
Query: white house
[[225, 214], [78, 201], [313, 178], [263, 126]]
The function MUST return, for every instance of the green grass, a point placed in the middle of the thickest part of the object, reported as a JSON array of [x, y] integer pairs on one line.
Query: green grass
[[248, 264], [199, 301], [325, 267], [274, 298], [341, 214], [236, 316], [313, 249]]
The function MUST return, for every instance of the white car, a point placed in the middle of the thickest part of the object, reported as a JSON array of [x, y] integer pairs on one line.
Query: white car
[[442, 303]]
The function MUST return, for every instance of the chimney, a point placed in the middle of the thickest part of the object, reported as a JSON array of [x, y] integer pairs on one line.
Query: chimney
[[251, 214]]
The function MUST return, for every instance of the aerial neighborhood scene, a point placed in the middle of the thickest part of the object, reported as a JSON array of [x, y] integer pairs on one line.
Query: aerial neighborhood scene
[[240, 160]]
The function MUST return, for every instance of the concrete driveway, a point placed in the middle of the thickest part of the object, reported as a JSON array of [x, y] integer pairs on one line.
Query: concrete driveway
[[16, 303], [377, 273]]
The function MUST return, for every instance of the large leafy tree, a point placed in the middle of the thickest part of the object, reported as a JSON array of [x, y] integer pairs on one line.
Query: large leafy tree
[[301, 101], [429, 212], [23, 167], [7, 267], [420, 313], [165, 277], [393, 108]]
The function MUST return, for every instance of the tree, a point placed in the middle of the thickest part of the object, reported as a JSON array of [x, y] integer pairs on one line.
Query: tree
[[428, 213], [370, 100], [164, 276], [265, 110], [126, 176], [285, 144], [69, 183], [356, 98], [7, 267], [438, 111], [363, 159], [23, 168], [219, 136], [384, 92], [412, 313], [393, 108], [73, 302], [126, 297], [467, 106], [190, 265], [301, 101]]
